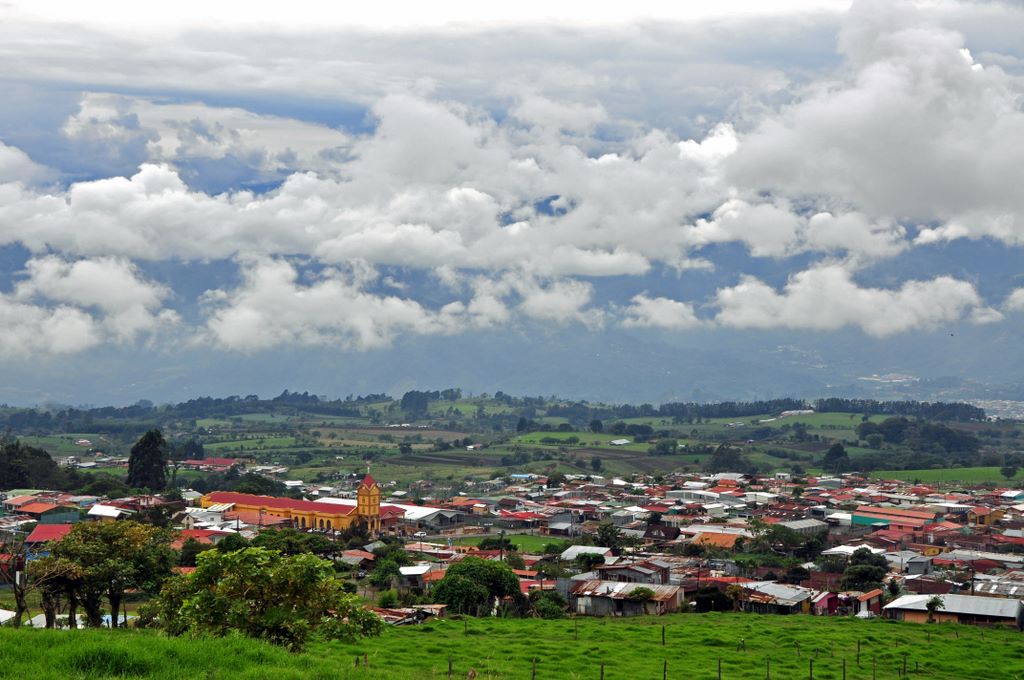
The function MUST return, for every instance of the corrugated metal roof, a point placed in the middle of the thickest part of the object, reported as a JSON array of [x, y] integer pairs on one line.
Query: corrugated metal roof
[[220, 507], [961, 604], [618, 590]]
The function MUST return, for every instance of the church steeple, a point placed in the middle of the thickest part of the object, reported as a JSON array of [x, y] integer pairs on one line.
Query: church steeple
[[368, 502]]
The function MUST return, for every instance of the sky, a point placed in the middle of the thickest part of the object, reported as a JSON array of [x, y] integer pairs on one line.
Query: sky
[[635, 203]]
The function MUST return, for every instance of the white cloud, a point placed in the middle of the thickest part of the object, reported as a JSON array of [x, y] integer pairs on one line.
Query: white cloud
[[913, 131], [128, 306], [180, 133], [1015, 301], [512, 175], [660, 312], [16, 166], [272, 308], [35, 331], [825, 298]]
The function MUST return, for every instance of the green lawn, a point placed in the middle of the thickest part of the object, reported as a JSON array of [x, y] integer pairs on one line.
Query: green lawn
[[969, 475], [527, 543], [506, 648]]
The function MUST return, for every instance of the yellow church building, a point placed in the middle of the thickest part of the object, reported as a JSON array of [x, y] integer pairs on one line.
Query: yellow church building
[[311, 515]]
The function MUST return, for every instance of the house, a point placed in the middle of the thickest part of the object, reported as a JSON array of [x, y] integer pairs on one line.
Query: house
[[855, 602], [958, 608], [413, 577], [806, 527], [101, 511], [615, 598], [633, 573], [982, 516], [574, 551], [49, 513], [825, 603], [769, 597], [36, 542]]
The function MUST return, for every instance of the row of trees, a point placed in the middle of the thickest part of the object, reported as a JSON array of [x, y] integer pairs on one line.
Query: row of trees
[[277, 589]]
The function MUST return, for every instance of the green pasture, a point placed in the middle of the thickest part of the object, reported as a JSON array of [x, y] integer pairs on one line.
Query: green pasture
[[255, 444], [526, 543], [697, 647]]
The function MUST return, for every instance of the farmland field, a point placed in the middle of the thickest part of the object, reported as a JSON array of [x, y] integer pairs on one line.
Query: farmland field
[[628, 649]]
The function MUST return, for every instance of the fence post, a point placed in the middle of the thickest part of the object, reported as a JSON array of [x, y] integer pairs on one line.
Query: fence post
[[533, 671], [810, 669], [664, 670], [602, 670], [904, 663], [449, 665], [663, 635], [719, 668]]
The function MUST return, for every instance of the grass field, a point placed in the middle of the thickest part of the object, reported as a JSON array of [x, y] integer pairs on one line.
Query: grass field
[[628, 649], [257, 444], [968, 475], [527, 543]]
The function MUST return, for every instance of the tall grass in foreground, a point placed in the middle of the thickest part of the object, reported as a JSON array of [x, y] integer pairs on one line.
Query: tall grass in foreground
[[630, 649]]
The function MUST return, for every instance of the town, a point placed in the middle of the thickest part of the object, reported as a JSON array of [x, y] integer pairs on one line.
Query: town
[[582, 544]]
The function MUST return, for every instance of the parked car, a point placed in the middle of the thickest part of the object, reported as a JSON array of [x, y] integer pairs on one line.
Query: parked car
[[420, 534]]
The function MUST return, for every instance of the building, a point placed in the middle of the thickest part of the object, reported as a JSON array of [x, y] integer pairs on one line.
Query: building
[[958, 608], [617, 598], [309, 514]]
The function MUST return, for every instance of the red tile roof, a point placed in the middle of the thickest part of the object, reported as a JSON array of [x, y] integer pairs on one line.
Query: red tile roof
[[48, 532]]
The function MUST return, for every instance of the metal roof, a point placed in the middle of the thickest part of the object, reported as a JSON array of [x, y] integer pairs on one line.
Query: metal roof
[[618, 590], [961, 604]]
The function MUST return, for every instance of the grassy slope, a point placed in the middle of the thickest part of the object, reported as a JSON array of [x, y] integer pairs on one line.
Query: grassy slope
[[629, 648]]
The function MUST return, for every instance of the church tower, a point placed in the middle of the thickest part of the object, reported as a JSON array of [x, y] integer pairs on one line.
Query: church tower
[[368, 504]]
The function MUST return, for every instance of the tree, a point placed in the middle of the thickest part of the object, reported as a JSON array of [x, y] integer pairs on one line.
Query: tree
[[265, 595], [232, 542], [608, 535], [189, 550], [147, 464], [596, 464], [114, 557], [548, 604], [596, 426], [836, 459], [55, 577], [933, 604], [865, 570], [1008, 471], [588, 560], [641, 594], [384, 573], [13, 556], [290, 541], [471, 584], [664, 447]]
